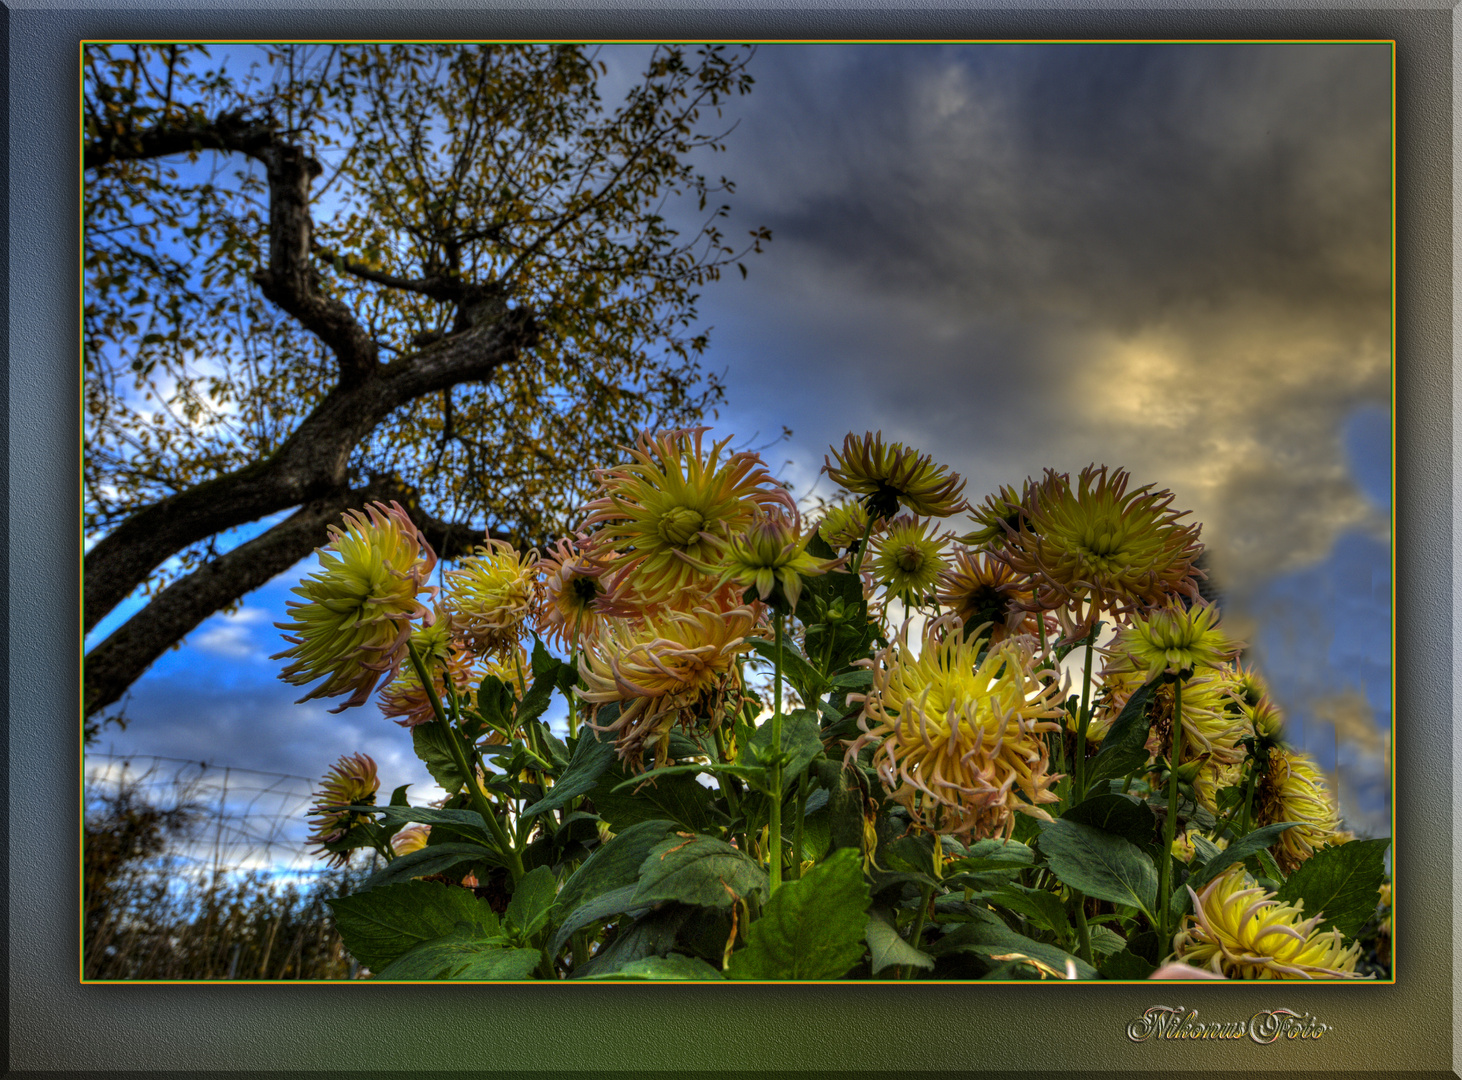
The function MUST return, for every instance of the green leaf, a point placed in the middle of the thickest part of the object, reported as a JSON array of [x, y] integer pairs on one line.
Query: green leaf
[[801, 742], [495, 703], [652, 934], [888, 948], [532, 900], [1262, 865], [1117, 815], [1099, 864], [432, 744], [424, 862], [614, 865], [1106, 941], [1237, 852], [1126, 965], [381, 924], [545, 676], [462, 957], [990, 855], [987, 936], [398, 797], [593, 755], [677, 798], [1204, 848], [672, 966], [1044, 908], [861, 679], [812, 928], [699, 870], [614, 902], [1344, 882], [463, 822], [1124, 750]]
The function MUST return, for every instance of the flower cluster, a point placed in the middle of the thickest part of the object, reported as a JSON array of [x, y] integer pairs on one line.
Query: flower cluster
[[937, 664]]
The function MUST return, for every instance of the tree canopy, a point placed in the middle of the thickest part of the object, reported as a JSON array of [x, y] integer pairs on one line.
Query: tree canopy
[[320, 275]]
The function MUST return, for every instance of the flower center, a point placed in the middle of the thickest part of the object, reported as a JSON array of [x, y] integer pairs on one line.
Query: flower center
[[910, 559], [584, 589], [680, 527]]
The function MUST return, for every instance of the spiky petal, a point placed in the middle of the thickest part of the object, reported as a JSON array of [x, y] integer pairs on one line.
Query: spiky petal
[[1241, 931], [351, 781], [672, 509], [890, 476], [356, 617], [957, 736]]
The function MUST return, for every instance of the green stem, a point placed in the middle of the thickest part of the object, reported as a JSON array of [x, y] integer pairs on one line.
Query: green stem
[[774, 825], [474, 793], [1170, 824], [1248, 799], [924, 896], [863, 545], [1083, 719], [573, 701], [1083, 932]]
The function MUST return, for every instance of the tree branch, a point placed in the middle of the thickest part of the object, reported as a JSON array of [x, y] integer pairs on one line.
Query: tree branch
[[116, 663], [313, 463]]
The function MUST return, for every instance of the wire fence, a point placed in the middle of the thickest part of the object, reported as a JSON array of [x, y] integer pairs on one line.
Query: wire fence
[[244, 820], [201, 871]]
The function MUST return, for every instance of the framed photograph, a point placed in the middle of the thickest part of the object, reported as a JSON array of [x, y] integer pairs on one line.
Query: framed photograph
[[830, 508]]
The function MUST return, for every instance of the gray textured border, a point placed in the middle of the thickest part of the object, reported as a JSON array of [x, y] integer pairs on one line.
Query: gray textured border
[[56, 1024]]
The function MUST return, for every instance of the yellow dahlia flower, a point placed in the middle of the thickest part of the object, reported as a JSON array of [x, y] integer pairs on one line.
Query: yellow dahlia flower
[[1251, 698], [890, 476], [844, 524], [981, 589], [671, 667], [575, 602], [771, 552], [491, 595], [1172, 639], [998, 516], [909, 556], [673, 508], [958, 738], [1211, 733], [356, 617], [351, 781], [1098, 547], [445, 656], [412, 838], [1240, 931], [1293, 789]]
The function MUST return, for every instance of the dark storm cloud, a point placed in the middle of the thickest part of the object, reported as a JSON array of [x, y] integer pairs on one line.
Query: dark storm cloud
[[1174, 258], [1106, 183]]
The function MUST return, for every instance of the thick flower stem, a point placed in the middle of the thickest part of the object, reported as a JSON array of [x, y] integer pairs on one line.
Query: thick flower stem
[[1078, 792], [459, 758], [1248, 799], [1170, 824], [774, 825], [1083, 932], [863, 545], [924, 897]]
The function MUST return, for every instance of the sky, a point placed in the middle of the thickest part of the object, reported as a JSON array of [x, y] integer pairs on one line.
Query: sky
[[1170, 258]]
